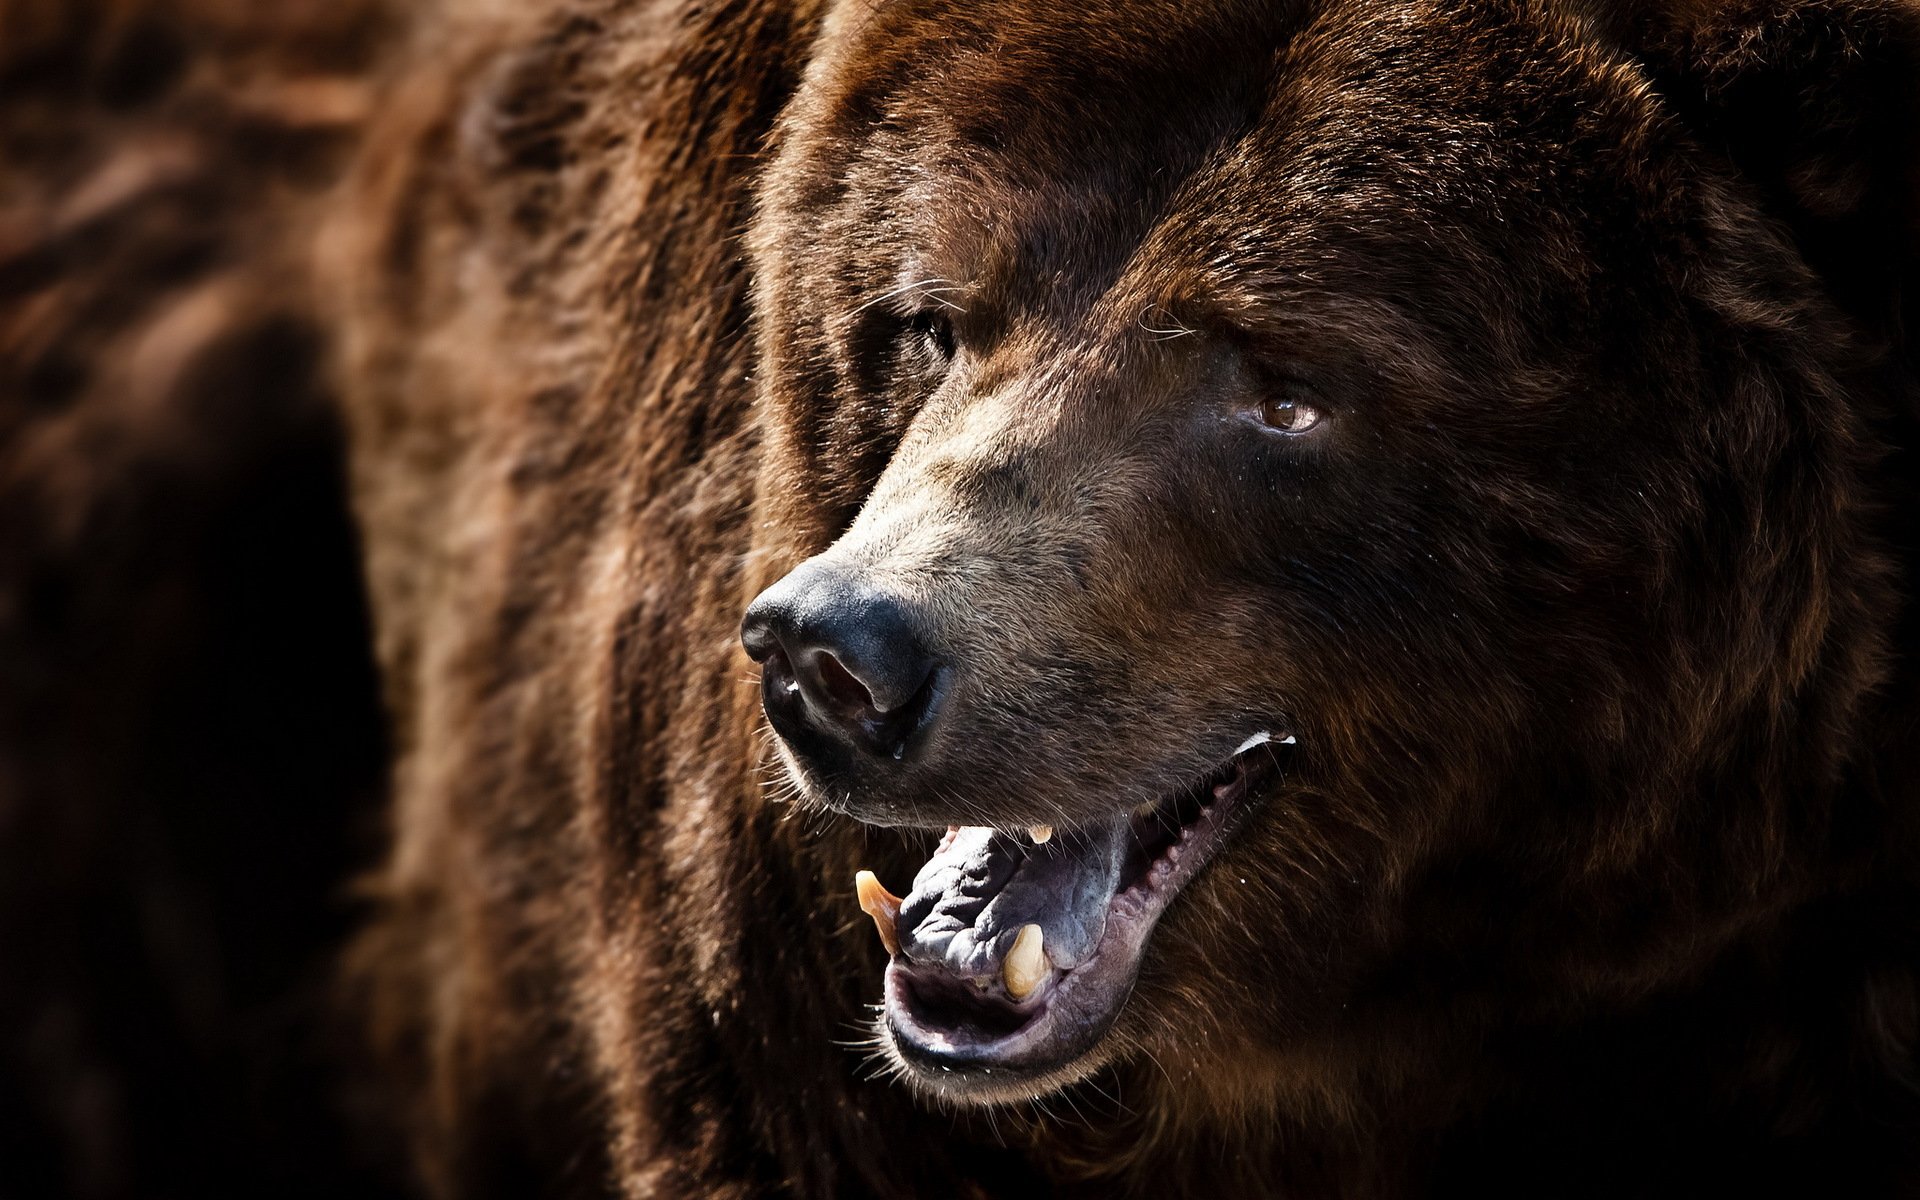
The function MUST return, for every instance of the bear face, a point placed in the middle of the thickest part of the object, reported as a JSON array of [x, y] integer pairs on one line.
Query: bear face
[[1271, 464]]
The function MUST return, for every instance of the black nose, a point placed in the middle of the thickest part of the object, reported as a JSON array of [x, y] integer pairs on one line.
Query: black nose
[[842, 660]]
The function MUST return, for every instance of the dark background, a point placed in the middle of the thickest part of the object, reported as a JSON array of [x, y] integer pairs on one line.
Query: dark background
[[191, 753]]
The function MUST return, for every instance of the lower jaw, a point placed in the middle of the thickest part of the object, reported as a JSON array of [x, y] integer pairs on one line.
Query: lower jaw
[[1021, 1066]]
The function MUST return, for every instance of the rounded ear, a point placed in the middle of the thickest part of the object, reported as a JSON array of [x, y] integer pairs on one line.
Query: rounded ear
[[1818, 103]]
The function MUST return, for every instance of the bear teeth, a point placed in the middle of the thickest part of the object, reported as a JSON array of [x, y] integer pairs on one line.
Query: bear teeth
[[1258, 739], [1026, 963], [882, 905]]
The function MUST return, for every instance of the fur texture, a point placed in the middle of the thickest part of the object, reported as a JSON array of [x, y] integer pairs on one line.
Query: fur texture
[[1595, 871]]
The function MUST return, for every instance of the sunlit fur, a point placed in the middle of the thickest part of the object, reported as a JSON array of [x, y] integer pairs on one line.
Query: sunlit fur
[[1588, 599]]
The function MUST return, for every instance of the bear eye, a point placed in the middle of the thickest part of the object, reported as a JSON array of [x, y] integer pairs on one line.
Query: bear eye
[[933, 329], [1287, 415]]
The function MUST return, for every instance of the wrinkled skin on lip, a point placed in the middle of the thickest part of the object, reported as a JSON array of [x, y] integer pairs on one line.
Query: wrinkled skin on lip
[[1011, 959], [982, 886], [1014, 959], [965, 912]]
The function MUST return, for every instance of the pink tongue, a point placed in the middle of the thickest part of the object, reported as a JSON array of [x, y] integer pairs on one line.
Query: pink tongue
[[972, 897]]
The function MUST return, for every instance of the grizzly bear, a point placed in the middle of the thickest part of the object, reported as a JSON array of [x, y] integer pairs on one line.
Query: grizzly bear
[[1351, 561], [1348, 559]]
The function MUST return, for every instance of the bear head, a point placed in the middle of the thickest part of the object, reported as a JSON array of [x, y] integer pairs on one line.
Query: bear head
[[1337, 516]]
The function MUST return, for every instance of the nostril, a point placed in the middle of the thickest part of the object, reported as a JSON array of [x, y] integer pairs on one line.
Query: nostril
[[841, 685], [778, 677], [758, 634]]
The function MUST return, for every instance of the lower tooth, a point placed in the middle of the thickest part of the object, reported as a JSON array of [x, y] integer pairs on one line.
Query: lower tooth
[[1026, 963]]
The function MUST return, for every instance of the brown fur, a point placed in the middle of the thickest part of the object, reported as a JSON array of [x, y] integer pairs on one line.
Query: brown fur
[[1595, 871]]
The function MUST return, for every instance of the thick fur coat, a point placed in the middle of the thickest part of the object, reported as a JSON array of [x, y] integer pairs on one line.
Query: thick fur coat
[[1594, 870]]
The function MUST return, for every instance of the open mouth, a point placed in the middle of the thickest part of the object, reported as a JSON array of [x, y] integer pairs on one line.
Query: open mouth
[[1013, 954]]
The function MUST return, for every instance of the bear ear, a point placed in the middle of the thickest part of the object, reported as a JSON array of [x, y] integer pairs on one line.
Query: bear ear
[[1818, 103]]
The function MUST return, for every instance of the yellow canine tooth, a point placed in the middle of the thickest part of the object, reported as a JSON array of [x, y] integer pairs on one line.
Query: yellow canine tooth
[[1026, 963], [1041, 834], [882, 905]]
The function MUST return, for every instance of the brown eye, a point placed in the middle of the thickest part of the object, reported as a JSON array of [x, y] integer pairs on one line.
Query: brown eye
[[1288, 416]]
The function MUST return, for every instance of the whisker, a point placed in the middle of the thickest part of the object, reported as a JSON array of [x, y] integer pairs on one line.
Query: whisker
[[923, 285]]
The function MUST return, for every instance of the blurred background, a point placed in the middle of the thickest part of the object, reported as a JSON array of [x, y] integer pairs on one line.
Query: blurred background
[[191, 750]]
